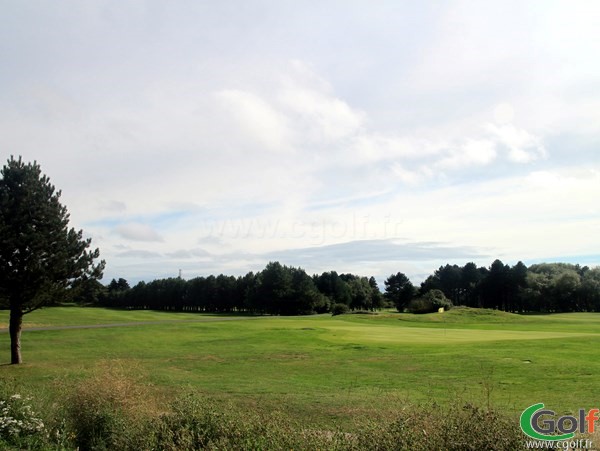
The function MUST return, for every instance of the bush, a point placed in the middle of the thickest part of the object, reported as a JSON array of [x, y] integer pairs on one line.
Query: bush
[[456, 428], [339, 309], [198, 423], [110, 410], [430, 302]]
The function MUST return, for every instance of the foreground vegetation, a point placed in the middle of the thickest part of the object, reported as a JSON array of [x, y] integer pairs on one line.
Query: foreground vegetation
[[301, 382], [112, 410]]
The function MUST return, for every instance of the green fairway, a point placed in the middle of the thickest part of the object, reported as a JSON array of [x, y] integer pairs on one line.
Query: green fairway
[[75, 316], [323, 367]]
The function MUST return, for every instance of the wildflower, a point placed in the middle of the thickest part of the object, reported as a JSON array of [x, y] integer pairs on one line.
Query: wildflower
[[17, 418]]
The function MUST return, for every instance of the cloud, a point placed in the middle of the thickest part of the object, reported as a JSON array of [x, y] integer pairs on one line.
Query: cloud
[[115, 206], [189, 253], [365, 251], [323, 116], [504, 113], [475, 152], [211, 240], [139, 254], [137, 232], [407, 176], [257, 118], [522, 146], [469, 134]]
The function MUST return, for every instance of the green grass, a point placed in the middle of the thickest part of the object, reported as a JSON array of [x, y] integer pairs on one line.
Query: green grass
[[328, 368], [75, 316]]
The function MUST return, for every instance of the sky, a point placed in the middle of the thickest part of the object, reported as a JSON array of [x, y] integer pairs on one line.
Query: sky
[[366, 137]]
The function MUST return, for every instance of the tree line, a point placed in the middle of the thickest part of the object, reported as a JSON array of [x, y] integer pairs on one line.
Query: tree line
[[542, 287], [276, 290], [286, 290]]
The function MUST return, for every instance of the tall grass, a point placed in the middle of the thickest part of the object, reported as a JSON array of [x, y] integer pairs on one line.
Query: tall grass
[[113, 410], [110, 410]]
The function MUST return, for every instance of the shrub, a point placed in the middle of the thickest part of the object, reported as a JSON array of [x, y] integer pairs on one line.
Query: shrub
[[455, 428], [110, 410], [430, 302], [195, 423], [339, 309]]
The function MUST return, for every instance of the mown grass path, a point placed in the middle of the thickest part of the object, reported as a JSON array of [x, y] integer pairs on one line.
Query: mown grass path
[[133, 324]]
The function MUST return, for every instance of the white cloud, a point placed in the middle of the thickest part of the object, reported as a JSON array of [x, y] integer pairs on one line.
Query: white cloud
[[472, 153], [137, 232], [372, 146], [257, 118], [523, 147], [504, 113], [139, 254], [115, 206], [406, 176], [285, 135], [323, 116], [190, 253]]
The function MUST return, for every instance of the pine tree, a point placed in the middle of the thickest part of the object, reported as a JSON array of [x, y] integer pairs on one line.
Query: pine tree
[[40, 256]]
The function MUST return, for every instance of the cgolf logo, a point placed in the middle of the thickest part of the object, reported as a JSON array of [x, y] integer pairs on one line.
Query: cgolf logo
[[535, 422]]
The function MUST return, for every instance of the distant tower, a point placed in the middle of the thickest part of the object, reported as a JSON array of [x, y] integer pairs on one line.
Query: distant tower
[[180, 273]]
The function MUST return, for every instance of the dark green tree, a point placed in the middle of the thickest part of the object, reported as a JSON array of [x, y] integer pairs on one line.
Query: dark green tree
[[377, 300], [334, 287], [361, 293], [518, 286], [399, 290], [495, 287], [40, 256], [447, 279], [566, 290], [274, 288], [247, 288], [87, 291], [118, 285], [115, 293], [305, 298], [471, 276], [226, 292], [589, 291]]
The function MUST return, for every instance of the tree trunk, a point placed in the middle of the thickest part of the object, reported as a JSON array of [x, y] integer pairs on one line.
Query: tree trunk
[[14, 328]]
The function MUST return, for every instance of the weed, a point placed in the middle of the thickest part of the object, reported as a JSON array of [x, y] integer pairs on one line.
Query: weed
[[109, 410]]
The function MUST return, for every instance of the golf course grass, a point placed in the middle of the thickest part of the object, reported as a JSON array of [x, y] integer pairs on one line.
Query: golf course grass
[[323, 368]]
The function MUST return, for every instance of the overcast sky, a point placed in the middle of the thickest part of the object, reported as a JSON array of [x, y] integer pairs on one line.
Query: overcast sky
[[364, 137]]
